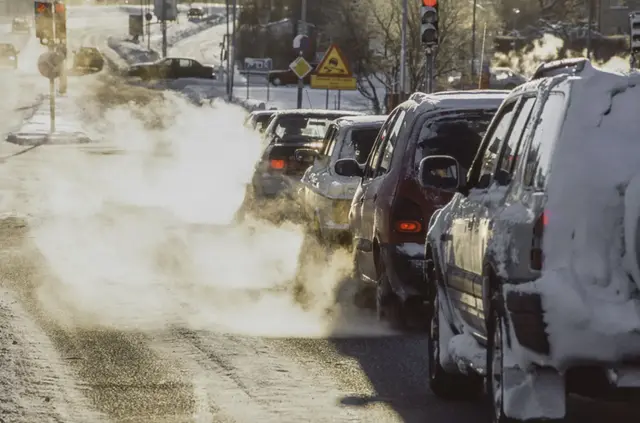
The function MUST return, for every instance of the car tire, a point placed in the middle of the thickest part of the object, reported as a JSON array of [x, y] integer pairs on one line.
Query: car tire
[[495, 362], [388, 305]]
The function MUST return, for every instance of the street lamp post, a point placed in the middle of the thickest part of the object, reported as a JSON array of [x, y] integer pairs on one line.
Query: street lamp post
[[473, 40]]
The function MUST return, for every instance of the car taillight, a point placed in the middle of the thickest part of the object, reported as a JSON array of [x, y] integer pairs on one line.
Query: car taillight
[[277, 164], [537, 255], [410, 226], [407, 217]]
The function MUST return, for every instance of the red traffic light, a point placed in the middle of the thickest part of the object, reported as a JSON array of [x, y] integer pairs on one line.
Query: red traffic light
[[430, 3]]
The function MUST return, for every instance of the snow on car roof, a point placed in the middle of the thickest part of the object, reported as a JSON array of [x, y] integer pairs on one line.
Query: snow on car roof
[[317, 112], [472, 99], [360, 120]]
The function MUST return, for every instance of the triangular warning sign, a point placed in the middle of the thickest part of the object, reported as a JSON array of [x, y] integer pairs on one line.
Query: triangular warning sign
[[333, 63]]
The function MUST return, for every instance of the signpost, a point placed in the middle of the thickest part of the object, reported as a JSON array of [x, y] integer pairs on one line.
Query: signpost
[[258, 66], [333, 73], [51, 29]]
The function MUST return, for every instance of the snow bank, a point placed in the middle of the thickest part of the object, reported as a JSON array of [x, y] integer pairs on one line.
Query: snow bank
[[592, 307]]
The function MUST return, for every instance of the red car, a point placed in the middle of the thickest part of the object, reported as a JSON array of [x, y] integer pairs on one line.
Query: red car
[[390, 210]]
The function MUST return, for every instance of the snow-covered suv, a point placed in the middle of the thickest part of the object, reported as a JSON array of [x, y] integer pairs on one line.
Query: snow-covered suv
[[536, 257]]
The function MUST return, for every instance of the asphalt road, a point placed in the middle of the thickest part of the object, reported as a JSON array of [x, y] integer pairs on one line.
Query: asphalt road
[[120, 303]]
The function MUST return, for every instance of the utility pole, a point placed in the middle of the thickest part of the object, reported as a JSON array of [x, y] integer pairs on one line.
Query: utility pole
[[302, 30], [164, 28], [428, 69], [403, 50], [473, 40]]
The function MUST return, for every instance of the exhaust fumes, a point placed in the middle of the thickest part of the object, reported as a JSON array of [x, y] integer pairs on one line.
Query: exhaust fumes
[[138, 232]]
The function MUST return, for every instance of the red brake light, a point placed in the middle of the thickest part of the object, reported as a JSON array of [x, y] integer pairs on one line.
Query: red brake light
[[277, 164], [411, 226]]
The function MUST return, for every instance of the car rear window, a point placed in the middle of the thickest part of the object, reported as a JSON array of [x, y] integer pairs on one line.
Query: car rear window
[[456, 134], [289, 129], [359, 143]]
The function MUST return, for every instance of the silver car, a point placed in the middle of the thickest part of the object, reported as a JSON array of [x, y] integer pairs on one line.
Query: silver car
[[533, 266], [324, 195]]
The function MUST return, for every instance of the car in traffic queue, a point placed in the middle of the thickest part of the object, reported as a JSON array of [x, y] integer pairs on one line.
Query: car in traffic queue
[[278, 173], [536, 257], [325, 196], [390, 210], [88, 59], [8, 55], [195, 13], [171, 68], [20, 25], [259, 120]]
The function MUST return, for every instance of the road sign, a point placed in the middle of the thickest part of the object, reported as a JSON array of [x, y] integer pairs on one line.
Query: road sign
[[334, 83], [300, 42], [300, 67], [148, 16], [50, 64], [333, 72], [262, 64], [166, 10], [334, 64]]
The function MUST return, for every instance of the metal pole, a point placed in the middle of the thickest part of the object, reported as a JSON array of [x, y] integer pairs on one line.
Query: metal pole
[[403, 50], [590, 6], [248, 80], [52, 105], [302, 30], [148, 25], [473, 40], [339, 99], [232, 54], [226, 41], [164, 28], [428, 70], [326, 101]]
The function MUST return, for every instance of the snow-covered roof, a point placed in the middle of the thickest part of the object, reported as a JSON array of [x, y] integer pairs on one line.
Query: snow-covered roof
[[472, 99], [316, 112], [361, 120]]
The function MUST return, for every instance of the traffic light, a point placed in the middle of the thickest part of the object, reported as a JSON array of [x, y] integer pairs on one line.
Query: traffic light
[[60, 18], [44, 20], [634, 28], [429, 22]]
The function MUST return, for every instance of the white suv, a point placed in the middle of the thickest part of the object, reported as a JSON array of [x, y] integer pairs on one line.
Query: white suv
[[536, 257]]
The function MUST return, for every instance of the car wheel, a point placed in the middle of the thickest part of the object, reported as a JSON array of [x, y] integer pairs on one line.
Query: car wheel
[[276, 82], [450, 386], [388, 305]]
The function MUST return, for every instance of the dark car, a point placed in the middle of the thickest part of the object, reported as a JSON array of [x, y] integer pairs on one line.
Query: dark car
[[88, 58], [195, 13], [8, 55], [20, 25], [390, 210], [278, 173], [288, 77], [259, 119], [172, 68]]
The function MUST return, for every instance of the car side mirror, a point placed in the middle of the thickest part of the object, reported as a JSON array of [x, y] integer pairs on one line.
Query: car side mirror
[[441, 172], [307, 155], [349, 168]]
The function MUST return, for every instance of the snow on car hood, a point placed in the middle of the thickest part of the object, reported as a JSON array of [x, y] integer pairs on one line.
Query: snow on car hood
[[591, 304]]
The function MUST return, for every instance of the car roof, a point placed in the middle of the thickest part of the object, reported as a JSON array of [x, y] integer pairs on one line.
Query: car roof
[[464, 100], [262, 112], [317, 112], [367, 120]]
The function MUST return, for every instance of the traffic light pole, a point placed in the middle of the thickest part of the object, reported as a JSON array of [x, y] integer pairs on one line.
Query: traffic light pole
[[164, 29], [429, 65]]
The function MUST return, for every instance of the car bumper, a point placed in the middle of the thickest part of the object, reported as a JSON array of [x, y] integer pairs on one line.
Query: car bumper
[[267, 185], [550, 340], [404, 266]]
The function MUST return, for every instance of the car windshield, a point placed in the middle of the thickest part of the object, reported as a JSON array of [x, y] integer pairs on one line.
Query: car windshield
[[291, 128], [456, 134], [359, 142]]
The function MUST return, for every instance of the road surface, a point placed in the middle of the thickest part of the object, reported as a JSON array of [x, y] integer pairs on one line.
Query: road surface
[[127, 295]]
